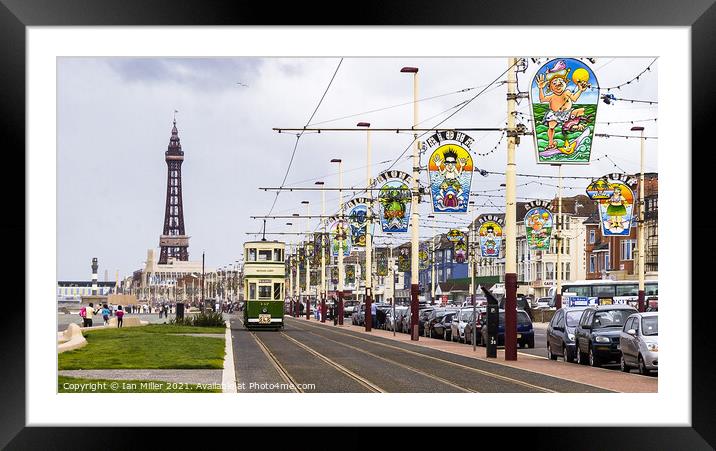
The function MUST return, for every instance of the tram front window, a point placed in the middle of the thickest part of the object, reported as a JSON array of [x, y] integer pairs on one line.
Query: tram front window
[[252, 255], [277, 291], [265, 292], [252, 291], [265, 255], [278, 255]]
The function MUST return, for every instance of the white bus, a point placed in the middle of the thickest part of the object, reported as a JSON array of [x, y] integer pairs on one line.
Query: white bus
[[606, 292]]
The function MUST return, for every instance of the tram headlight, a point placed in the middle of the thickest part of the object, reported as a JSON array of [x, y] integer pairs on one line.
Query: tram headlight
[[264, 310]]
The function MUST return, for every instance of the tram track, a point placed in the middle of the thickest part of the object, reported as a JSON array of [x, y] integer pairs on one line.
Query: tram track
[[280, 369], [485, 373]]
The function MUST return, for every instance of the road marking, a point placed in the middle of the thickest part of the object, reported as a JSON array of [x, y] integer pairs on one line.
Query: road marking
[[485, 373], [285, 375], [361, 380], [402, 365]]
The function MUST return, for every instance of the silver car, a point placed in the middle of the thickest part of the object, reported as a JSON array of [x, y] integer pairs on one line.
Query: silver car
[[639, 342], [459, 321]]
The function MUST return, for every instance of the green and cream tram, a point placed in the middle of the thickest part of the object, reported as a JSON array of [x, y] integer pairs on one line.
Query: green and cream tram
[[264, 278]]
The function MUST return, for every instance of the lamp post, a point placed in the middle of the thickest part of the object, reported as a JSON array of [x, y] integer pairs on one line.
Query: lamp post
[[558, 292], [297, 286], [290, 278], [511, 219], [340, 239], [415, 216], [368, 235], [308, 260], [323, 253], [640, 237], [432, 268]]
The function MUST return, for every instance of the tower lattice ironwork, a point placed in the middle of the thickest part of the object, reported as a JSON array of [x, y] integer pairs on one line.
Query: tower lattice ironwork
[[174, 242]]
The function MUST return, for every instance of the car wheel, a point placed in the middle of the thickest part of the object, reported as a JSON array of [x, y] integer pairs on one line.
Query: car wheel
[[580, 357], [549, 353], [642, 367], [522, 344], [593, 360], [565, 355], [623, 365]]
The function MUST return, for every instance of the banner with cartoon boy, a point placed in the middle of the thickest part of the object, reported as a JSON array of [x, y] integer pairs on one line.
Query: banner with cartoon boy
[[450, 171], [490, 235], [564, 97]]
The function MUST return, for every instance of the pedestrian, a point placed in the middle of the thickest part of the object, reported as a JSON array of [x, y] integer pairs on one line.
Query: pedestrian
[[373, 312], [89, 312], [105, 314], [380, 318], [120, 316]]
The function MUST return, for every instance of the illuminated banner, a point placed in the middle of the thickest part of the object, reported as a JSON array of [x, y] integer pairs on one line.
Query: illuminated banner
[[491, 234], [358, 220], [394, 198], [450, 171], [361, 266], [334, 275], [538, 224], [404, 259], [339, 230], [455, 235], [460, 250], [382, 262], [350, 276], [424, 256], [314, 278], [616, 203], [564, 97]]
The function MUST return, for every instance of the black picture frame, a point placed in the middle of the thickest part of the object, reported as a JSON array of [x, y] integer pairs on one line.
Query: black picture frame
[[16, 15]]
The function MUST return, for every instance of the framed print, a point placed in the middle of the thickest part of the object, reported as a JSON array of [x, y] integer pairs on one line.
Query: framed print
[[94, 93]]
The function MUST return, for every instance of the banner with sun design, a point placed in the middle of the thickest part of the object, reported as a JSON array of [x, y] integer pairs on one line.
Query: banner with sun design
[[404, 259], [450, 171], [424, 256], [615, 201], [358, 220], [538, 224], [564, 97]]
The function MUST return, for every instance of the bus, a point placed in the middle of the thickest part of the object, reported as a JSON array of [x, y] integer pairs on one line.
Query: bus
[[264, 284], [607, 292]]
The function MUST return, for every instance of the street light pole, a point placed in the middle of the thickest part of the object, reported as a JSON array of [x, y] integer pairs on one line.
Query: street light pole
[[368, 236], [560, 226], [511, 219], [415, 216], [640, 238], [323, 253], [340, 239], [308, 260]]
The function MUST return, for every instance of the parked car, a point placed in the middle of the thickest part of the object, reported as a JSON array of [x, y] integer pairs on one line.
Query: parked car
[[525, 331], [560, 333], [467, 329], [391, 322], [639, 343], [441, 328], [545, 302], [358, 316], [597, 333], [458, 323], [348, 308], [405, 322], [436, 317], [523, 303]]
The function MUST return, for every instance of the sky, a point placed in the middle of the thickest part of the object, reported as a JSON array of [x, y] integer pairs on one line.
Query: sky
[[115, 115]]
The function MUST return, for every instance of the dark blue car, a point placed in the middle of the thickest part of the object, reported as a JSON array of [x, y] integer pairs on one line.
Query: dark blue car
[[525, 331]]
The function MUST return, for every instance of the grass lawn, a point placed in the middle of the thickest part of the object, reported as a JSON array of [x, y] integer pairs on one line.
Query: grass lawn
[[147, 347], [80, 385]]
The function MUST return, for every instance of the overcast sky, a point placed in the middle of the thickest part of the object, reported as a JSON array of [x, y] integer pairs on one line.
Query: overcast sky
[[115, 118]]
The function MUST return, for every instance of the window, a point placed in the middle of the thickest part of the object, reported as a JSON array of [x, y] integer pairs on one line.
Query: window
[[264, 291], [278, 255], [602, 291], [277, 290], [592, 263], [252, 255], [538, 270], [549, 271], [448, 272], [628, 290], [449, 256], [565, 271], [252, 291], [265, 255], [628, 249], [592, 237], [606, 261]]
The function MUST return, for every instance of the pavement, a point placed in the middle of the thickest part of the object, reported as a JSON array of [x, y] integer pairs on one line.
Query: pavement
[[64, 319]]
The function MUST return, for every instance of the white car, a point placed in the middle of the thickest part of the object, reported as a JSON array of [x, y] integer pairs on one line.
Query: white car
[[544, 302], [459, 321], [639, 342]]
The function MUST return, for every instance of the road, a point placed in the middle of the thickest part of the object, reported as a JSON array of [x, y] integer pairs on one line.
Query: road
[[314, 358]]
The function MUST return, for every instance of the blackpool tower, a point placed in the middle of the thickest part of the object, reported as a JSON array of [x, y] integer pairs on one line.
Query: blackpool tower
[[174, 243]]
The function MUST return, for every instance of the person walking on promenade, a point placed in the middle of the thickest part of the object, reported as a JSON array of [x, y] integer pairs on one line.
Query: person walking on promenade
[[89, 313], [373, 311], [120, 316], [105, 314]]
